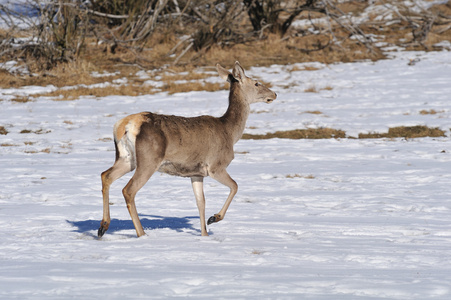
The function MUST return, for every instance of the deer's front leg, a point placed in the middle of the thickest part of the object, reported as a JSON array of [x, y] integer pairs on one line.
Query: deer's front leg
[[198, 188], [106, 182], [105, 223], [224, 178]]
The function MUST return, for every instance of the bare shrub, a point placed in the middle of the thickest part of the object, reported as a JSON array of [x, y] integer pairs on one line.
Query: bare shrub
[[278, 15], [213, 23], [55, 32], [153, 33], [138, 21]]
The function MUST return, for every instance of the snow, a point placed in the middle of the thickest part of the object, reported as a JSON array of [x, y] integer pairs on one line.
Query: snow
[[313, 219]]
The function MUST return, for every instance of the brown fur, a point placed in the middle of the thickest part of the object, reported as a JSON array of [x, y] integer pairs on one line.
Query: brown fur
[[136, 119], [189, 147]]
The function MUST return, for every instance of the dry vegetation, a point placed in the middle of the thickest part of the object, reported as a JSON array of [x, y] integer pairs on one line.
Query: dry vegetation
[[408, 132], [173, 42], [3, 131], [313, 112], [291, 176], [319, 133], [430, 112], [183, 42], [315, 89]]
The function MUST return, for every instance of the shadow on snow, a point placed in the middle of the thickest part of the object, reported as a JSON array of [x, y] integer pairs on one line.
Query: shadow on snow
[[148, 222]]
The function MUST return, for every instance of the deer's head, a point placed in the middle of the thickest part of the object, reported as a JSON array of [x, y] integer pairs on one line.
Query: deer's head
[[252, 90]]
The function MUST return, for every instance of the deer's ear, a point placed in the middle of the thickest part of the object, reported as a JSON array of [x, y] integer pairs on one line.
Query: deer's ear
[[238, 71], [223, 73]]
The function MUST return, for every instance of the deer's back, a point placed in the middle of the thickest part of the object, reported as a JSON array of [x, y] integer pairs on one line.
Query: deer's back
[[190, 146]]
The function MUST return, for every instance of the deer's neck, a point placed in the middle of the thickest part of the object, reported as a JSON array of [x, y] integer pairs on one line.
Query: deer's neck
[[237, 113]]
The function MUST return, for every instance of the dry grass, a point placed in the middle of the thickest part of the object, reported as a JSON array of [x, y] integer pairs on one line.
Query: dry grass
[[314, 89], [46, 150], [175, 74], [76, 93], [64, 74], [311, 89], [303, 68], [126, 62], [132, 89], [21, 99], [174, 87], [327, 133], [320, 133], [3, 131], [275, 51], [310, 176], [39, 131], [313, 112], [408, 132], [429, 112]]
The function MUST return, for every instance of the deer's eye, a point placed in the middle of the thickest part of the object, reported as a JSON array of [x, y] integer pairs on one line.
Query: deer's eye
[[256, 84]]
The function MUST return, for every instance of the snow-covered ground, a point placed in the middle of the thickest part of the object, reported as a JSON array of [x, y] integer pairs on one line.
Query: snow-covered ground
[[313, 219]]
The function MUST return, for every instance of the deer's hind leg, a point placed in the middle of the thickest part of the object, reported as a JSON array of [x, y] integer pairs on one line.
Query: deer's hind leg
[[120, 168], [139, 179], [150, 150]]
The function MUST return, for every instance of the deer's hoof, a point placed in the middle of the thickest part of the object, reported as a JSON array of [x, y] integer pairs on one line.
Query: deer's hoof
[[103, 228], [101, 232], [214, 219]]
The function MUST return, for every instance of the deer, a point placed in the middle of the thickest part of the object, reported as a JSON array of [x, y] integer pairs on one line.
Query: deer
[[194, 147]]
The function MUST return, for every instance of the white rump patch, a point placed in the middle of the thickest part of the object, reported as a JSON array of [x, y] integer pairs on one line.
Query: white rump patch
[[126, 145]]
